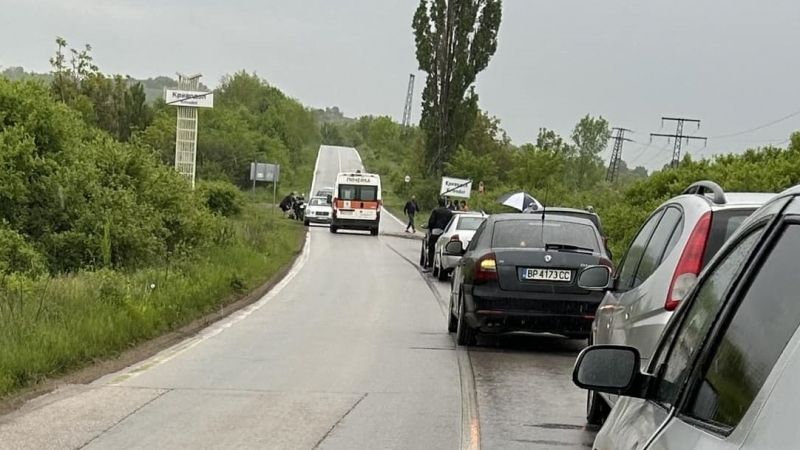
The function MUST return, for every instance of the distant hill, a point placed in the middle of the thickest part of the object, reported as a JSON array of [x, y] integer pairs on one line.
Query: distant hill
[[153, 87]]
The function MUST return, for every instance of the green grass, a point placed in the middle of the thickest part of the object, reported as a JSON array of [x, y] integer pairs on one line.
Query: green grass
[[51, 326]]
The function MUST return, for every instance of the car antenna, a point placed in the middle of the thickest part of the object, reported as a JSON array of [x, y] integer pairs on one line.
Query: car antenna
[[544, 210]]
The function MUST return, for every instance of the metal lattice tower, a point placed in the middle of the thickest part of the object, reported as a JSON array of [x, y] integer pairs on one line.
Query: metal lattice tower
[[616, 155], [679, 137], [186, 135], [409, 97]]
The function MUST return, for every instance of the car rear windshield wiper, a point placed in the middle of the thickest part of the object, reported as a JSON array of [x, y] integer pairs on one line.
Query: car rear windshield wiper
[[568, 248]]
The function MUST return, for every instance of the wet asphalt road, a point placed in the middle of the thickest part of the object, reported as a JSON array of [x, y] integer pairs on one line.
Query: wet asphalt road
[[350, 351]]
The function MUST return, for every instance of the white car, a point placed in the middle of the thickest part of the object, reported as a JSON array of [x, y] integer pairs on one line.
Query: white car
[[318, 211], [460, 228]]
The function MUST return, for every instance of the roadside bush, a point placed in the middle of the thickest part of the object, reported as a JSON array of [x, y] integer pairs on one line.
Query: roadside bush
[[221, 198]]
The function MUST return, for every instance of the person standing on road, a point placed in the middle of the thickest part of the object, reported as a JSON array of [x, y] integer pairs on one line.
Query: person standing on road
[[464, 206], [411, 210], [439, 219]]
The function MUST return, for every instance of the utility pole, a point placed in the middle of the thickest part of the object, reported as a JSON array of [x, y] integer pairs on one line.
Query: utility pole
[[679, 137], [409, 97], [616, 154]]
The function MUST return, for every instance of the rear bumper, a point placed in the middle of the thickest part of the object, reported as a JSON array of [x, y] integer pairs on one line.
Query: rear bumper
[[491, 309], [355, 224], [449, 262]]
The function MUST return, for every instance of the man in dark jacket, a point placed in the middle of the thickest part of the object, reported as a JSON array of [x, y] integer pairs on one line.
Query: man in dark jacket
[[411, 210], [287, 203], [439, 219]]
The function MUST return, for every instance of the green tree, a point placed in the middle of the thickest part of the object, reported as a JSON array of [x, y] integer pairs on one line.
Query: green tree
[[455, 39], [590, 137]]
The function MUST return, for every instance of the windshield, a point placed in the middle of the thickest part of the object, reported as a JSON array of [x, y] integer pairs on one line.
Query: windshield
[[357, 192], [537, 233], [318, 202], [469, 223]]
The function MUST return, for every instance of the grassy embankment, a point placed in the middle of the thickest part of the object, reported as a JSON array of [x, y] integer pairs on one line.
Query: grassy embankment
[[52, 326]]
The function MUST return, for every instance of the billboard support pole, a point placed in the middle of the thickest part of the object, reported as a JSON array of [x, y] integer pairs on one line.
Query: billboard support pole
[[188, 100]]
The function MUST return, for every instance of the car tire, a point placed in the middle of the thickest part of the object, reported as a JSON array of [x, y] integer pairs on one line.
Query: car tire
[[441, 275], [465, 335], [452, 320], [333, 228], [422, 255], [596, 408], [373, 231], [306, 223], [435, 270]]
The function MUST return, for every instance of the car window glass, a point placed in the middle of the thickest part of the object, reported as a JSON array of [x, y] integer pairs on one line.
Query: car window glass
[[469, 223], [635, 251], [697, 320], [673, 240], [477, 237], [765, 321], [658, 243], [538, 233]]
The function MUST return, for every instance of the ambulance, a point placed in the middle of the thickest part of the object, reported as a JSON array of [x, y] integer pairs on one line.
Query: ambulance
[[356, 202]]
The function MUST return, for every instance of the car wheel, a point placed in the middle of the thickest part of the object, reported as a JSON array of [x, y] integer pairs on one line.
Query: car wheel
[[373, 231], [465, 335], [333, 229], [452, 320], [596, 409], [442, 273], [306, 223], [422, 256]]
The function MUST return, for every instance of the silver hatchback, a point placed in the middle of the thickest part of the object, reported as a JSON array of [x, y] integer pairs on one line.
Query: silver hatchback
[[660, 266]]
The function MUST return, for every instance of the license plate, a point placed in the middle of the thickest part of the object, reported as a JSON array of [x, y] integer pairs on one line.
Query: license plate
[[547, 275]]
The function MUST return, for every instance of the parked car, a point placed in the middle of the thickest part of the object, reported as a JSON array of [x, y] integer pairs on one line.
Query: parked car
[[574, 212], [724, 373], [519, 274], [423, 255], [318, 211], [661, 264], [461, 228], [325, 192]]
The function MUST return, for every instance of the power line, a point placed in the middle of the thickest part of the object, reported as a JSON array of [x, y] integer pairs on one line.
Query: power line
[[678, 136], [757, 128], [616, 155]]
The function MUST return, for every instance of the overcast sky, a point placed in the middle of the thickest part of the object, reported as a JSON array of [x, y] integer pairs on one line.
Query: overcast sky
[[730, 63]]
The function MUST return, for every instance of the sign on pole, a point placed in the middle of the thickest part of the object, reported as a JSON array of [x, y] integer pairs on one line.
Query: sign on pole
[[187, 98], [270, 173], [192, 99], [456, 187]]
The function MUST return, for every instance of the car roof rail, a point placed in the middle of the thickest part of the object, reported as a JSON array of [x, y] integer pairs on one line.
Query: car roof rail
[[704, 186]]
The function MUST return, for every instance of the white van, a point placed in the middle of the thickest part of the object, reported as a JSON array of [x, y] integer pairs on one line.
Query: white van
[[356, 202]]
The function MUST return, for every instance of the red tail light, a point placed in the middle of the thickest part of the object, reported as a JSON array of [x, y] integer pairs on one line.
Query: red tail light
[[454, 238], [486, 268], [690, 264]]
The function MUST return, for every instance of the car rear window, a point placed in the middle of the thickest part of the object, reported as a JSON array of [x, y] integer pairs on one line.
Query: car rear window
[[469, 223], [594, 218], [723, 224], [537, 233]]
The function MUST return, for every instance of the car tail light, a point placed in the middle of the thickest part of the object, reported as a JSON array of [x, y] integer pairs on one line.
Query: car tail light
[[454, 238], [690, 263], [486, 268]]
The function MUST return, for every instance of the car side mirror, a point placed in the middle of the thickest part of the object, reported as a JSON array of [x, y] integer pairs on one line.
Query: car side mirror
[[612, 369], [595, 278], [454, 248], [329, 198]]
